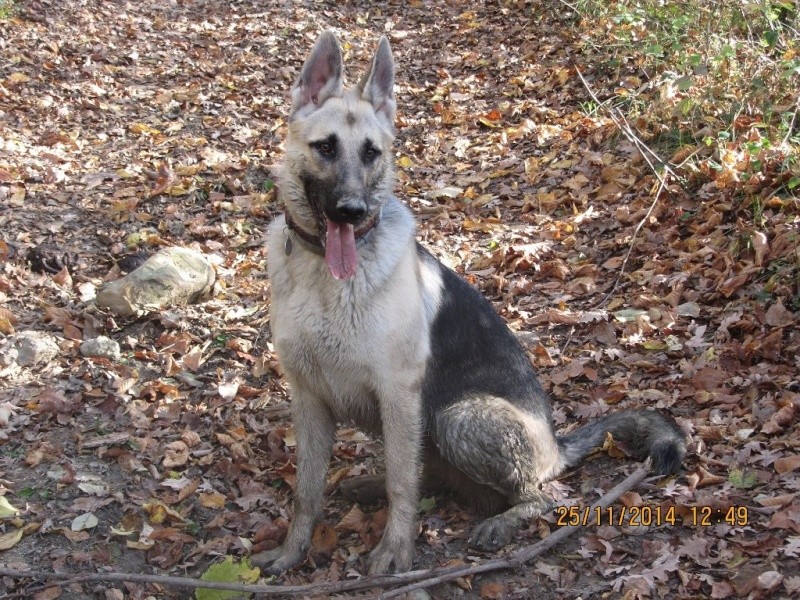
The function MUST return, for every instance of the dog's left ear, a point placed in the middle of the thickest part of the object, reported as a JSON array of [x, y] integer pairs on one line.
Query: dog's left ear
[[377, 85]]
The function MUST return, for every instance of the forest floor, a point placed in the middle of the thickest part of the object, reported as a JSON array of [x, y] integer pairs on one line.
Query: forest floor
[[126, 127]]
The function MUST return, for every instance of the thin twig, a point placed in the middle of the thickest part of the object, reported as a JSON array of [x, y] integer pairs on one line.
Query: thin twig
[[622, 124], [572, 7], [621, 272], [569, 339]]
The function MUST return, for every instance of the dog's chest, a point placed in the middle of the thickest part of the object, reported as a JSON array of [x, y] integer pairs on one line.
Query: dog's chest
[[334, 343], [346, 343]]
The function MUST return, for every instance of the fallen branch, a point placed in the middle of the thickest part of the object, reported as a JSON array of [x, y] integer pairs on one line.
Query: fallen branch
[[375, 581], [165, 580], [409, 581]]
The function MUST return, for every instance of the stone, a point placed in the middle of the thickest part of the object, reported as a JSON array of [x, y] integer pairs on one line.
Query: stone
[[101, 347], [33, 347], [172, 276], [27, 349]]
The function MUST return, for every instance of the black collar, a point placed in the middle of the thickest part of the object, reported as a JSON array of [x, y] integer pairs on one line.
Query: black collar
[[313, 242]]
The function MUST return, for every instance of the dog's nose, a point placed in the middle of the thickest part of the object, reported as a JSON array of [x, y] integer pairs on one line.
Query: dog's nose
[[351, 211]]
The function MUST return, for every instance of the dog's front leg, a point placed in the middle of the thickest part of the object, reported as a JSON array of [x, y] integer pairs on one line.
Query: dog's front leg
[[401, 415], [314, 430]]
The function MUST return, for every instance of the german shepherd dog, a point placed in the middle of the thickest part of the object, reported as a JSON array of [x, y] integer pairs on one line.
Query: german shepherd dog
[[370, 328]]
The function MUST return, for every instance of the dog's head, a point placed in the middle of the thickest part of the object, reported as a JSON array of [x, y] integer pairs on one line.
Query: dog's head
[[338, 169]]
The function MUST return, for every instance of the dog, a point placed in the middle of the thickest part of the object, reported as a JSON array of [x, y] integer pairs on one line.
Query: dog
[[371, 328]]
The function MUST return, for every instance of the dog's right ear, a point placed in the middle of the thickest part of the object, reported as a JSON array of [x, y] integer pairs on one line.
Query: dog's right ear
[[320, 78]]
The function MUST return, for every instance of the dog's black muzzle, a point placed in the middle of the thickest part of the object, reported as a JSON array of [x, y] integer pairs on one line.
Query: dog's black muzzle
[[349, 210]]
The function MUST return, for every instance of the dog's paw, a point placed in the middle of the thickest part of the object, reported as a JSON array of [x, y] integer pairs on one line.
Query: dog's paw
[[492, 534], [390, 557], [275, 562]]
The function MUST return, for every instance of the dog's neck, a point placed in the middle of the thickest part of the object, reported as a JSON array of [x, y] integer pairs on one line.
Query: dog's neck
[[314, 243]]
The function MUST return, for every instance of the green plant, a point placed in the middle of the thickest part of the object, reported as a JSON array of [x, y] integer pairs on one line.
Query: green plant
[[7, 9]]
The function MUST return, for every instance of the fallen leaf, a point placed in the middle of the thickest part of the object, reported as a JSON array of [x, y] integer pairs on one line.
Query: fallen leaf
[[325, 539], [75, 536], [7, 410], [158, 512], [10, 539], [493, 591], [143, 128], [6, 509], [778, 316], [84, 521], [445, 192], [50, 593], [212, 499], [17, 78], [176, 454], [227, 390], [354, 520], [228, 571], [787, 464]]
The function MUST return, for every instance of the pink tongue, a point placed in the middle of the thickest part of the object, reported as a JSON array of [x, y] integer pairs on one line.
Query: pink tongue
[[340, 250]]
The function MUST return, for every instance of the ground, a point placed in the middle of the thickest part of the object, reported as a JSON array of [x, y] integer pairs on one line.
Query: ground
[[126, 127]]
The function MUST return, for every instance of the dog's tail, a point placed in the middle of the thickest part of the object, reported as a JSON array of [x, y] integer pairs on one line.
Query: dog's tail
[[643, 433]]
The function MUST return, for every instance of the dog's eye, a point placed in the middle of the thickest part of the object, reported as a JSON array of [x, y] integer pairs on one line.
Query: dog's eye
[[326, 147], [369, 153]]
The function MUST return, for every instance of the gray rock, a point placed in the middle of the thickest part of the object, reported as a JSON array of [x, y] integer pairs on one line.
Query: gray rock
[[172, 276], [101, 347], [34, 347], [27, 349]]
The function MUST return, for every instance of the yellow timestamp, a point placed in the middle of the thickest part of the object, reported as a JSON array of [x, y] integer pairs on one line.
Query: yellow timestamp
[[652, 516]]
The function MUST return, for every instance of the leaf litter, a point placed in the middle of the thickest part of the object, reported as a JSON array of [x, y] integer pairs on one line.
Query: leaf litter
[[131, 127]]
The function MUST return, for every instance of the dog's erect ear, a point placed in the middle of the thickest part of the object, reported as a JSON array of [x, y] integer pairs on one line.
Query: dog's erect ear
[[377, 85], [320, 78]]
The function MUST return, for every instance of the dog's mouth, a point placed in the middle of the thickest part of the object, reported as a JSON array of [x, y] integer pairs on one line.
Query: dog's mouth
[[336, 241], [341, 254]]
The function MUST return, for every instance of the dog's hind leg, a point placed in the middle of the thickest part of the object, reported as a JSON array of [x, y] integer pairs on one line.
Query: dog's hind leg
[[502, 448]]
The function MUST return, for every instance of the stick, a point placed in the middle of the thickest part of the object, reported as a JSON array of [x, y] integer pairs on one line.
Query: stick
[[375, 581], [166, 580], [622, 124], [630, 247]]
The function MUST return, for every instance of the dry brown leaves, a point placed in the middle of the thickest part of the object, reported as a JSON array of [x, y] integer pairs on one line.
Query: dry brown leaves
[[129, 127]]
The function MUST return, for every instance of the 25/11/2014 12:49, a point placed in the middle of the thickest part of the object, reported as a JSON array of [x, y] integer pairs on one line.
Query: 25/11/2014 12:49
[[652, 516]]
